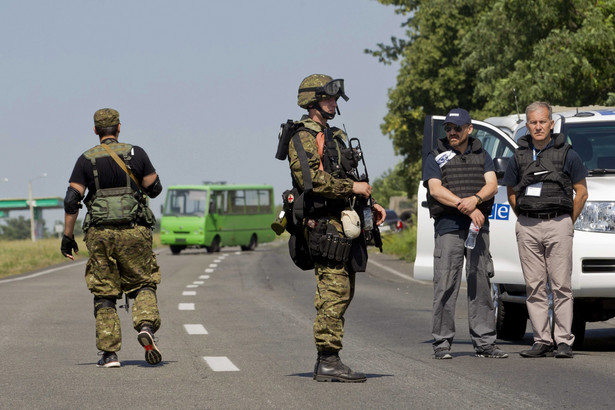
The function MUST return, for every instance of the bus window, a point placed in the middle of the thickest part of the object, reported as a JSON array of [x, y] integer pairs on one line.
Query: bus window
[[238, 202], [220, 201], [186, 202], [264, 201], [251, 201]]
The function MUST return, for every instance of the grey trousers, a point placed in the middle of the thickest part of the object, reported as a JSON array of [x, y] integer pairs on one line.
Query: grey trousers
[[545, 250], [449, 254]]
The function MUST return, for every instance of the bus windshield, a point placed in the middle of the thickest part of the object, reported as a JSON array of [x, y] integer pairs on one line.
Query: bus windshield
[[186, 202]]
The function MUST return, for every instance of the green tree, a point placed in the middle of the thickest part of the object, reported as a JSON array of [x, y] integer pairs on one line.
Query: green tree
[[391, 183], [474, 53], [15, 228]]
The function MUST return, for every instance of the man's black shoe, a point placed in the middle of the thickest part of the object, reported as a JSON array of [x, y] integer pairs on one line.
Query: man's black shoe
[[108, 360], [331, 369], [564, 351], [537, 350]]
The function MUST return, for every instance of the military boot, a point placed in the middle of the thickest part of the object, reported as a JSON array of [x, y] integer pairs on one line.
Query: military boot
[[329, 368]]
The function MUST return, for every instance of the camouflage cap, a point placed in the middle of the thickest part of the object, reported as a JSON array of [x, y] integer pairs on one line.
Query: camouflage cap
[[106, 117]]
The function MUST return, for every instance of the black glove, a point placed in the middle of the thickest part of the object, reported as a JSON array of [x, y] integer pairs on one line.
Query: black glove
[[68, 245]]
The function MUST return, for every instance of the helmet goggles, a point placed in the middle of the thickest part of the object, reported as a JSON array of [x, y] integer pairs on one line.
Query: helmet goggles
[[334, 88]]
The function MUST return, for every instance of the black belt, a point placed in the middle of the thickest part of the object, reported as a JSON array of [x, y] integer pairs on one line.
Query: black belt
[[544, 215]]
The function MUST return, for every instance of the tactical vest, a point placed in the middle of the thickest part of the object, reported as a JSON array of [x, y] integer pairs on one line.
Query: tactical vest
[[336, 160], [463, 175], [112, 206], [556, 193]]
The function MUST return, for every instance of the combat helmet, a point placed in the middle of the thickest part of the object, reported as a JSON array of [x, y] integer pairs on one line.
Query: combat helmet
[[318, 87]]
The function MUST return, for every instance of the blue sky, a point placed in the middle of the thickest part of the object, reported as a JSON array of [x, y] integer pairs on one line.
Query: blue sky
[[202, 86]]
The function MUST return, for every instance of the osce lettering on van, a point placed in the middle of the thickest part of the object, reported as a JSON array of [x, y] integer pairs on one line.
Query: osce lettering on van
[[212, 216]]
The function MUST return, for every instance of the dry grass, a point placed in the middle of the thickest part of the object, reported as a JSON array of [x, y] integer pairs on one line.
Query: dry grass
[[25, 256]]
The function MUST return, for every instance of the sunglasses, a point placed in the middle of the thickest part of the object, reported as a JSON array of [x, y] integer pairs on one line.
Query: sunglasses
[[457, 128]]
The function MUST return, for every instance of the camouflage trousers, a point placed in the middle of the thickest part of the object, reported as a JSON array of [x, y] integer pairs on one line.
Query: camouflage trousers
[[121, 261], [334, 291]]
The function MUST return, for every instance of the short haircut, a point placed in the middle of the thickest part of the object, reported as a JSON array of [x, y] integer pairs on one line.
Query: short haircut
[[536, 105], [104, 131]]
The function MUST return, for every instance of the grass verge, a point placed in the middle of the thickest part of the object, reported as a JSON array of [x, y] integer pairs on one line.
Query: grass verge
[[402, 245], [25, 256]]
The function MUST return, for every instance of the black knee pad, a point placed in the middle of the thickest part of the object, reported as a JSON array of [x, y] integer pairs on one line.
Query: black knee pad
[[134, 293], [100, 302]]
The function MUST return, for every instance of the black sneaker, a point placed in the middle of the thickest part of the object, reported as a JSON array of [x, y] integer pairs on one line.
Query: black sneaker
[[492, 351], [564, 351], [109, 359], [537, 350], [146, 339]]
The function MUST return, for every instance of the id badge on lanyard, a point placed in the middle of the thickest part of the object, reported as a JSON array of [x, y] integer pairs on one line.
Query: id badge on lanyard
[[534, 189]]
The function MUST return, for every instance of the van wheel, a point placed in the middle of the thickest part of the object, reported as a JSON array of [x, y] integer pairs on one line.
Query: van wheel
[[215, 245], [510, 318], [253, 244], [176, 249]]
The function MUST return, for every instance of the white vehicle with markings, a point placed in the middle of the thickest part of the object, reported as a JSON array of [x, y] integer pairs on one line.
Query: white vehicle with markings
[[592, 135]]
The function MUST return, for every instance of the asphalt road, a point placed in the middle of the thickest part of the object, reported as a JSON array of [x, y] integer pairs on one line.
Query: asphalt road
[[237, 334]]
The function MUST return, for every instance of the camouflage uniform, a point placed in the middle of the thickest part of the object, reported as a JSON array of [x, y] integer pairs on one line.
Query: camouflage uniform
[[335, 284], [121, 261]]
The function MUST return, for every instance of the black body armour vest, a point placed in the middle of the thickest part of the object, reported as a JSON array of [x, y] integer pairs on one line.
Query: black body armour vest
[[463, 175], [556, 193]]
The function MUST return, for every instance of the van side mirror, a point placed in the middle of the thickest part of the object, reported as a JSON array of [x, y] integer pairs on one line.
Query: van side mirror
[[501, 163]]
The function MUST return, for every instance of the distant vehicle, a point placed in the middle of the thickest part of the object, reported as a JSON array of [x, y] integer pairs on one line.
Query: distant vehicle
[[392, 223], [212, 216]]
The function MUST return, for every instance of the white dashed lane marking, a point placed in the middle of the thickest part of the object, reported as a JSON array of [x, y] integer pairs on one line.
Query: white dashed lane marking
[[192, 286], [198, 282], [220, 364], [209, 270], [213, 265], [186, 306], [204, 277], [189, 293], [195, 329]]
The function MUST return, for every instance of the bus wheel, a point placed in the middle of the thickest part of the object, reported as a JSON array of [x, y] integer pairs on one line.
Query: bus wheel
[[253, 244], [215, 245], [175, 249]]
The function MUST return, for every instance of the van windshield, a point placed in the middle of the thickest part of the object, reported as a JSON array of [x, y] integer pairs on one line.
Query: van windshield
[[185, 202], [595, 144]]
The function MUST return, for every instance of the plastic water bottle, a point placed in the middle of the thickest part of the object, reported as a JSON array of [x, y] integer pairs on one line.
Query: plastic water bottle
[[368, 218], [472, 234]]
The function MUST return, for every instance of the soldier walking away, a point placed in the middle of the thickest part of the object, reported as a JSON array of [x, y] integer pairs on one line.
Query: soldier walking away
[[118, 233], [323, 169]]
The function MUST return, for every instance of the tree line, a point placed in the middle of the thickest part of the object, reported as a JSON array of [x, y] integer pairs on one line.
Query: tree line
[[493, 57]]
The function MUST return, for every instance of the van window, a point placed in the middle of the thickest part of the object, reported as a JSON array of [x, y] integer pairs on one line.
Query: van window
[[594, 142]]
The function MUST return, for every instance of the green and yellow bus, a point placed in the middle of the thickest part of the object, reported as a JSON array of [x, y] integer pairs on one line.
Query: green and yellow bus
[[212, 216]]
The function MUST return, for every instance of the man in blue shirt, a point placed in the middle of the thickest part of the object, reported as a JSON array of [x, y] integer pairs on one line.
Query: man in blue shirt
[[461, 183]]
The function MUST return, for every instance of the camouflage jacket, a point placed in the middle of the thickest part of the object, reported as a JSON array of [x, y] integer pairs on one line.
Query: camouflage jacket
[[324, 184]]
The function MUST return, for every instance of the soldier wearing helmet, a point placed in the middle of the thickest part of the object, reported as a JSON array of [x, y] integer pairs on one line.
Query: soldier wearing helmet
[[318, 158]]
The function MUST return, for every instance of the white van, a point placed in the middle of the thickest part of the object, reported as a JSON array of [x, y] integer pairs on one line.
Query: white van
[[592, 135]]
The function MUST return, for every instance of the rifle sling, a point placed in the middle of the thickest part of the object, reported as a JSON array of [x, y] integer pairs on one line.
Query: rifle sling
[[122, 165]]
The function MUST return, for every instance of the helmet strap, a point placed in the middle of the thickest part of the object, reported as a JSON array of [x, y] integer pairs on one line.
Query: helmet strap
[[325, 115]]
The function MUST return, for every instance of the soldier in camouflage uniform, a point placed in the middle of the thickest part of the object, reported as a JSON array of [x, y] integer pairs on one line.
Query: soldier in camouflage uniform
[[332, 188], [118, 234]]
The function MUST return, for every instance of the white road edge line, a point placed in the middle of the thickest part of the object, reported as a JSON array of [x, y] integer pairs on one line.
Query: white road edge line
[[45, 272], [220, 364], [401, 275]]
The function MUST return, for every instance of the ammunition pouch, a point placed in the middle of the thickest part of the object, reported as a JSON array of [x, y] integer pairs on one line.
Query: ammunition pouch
[[327, 246]]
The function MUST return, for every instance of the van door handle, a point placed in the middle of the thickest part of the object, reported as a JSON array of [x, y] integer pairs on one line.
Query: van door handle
[[424, 204]]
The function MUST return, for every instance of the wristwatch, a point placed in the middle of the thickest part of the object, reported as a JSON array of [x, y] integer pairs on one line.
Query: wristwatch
[[480, 200]]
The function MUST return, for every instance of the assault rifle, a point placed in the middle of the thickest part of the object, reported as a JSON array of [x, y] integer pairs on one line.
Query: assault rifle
[[364, 205]]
